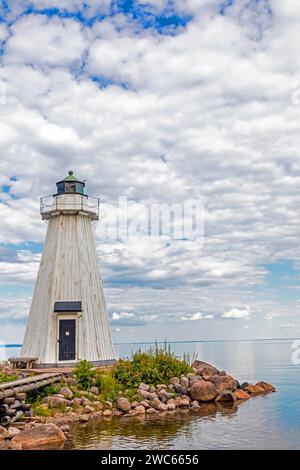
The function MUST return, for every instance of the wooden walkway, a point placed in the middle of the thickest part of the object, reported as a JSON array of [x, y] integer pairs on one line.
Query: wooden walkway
[[9, 389]]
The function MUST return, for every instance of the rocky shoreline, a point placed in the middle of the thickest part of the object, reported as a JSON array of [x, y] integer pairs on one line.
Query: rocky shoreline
[[205, 384]]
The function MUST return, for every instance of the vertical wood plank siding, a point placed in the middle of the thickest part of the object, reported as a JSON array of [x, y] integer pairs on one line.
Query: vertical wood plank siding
[[69, 271]]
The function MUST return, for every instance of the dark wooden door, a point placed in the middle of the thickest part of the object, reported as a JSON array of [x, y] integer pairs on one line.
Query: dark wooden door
[[67, 340]]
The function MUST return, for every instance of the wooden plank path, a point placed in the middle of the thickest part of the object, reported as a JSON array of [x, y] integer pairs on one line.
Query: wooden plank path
[[9, 389]]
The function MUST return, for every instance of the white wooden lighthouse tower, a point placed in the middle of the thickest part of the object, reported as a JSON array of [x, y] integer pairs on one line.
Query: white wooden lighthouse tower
[[68, 320]]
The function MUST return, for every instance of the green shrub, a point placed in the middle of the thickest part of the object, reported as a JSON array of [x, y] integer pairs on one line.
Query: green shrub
[[108, 386], [157, 365], [84, 373], [49, 390]]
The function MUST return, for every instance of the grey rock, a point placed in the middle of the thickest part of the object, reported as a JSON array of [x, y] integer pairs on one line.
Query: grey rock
[[144, 387], [66, 393], [174, 381], [123, 404], [94, 390], [184, 382]]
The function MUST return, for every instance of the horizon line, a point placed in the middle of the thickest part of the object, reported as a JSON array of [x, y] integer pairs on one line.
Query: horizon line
[[17, 345]]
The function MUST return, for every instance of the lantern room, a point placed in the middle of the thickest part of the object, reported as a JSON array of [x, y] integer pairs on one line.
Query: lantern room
[[70, 185]]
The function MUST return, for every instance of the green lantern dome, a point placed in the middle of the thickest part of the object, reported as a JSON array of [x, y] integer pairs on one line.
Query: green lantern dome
[[70, 184]]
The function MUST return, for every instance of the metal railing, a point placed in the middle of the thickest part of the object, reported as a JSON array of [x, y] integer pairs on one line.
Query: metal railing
[[89, 204]]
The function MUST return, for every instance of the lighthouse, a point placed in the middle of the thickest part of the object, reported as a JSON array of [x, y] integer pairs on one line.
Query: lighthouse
[[68, 320]]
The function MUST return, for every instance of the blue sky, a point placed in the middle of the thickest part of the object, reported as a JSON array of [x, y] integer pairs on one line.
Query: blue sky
[[162, 101]]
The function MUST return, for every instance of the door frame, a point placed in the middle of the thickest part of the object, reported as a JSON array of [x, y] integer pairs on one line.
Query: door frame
[[69, 316]]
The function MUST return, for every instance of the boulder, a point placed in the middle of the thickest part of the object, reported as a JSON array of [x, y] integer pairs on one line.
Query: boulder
[[184, 382], [140, 410], [145, 404], [171, 406], [174, 381], [71, 381], [83, 418], [94, 390], [10, 445], [226, 395], [65, 428], [244, 385], [3, 433], [204, 368], [160, 387], [162, 395], [12, 432], [39, 436], [180, 389], [177, 401], [55, 402], [202, 390], [77, 401], [88, 409], [224, 382], [134, 404], [86, 402], [108, 405], [107, 412], [165, 396], [152, 396], [184, 402], [156, 404], [144, 387], [144, 394], [151, 411], [254, 389], [123, 404], [192, 378], [266, 386], [241, 394], [163, 407], [66, 393]]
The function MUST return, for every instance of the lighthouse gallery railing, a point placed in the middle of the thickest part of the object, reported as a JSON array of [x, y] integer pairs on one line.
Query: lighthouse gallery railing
[[90, 204]]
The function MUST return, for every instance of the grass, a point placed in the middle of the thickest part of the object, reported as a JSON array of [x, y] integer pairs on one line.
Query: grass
[[40, 410], [36, 396], [7, 378]]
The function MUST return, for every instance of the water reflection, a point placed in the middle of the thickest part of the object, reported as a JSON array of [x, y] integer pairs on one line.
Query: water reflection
[[144, 432]]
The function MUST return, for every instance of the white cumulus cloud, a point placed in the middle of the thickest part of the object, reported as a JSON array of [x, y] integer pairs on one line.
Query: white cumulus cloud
[[197, 316], [236, 313]]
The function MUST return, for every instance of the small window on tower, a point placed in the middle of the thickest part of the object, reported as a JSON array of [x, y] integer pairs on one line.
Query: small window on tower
[[70, 187]]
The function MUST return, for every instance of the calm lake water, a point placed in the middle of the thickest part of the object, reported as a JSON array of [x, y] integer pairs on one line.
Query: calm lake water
[[263, 422]]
